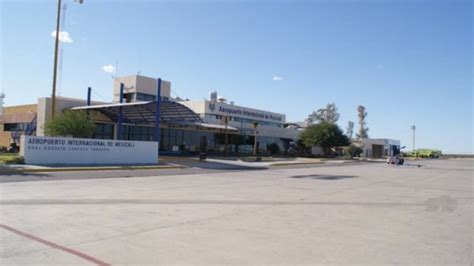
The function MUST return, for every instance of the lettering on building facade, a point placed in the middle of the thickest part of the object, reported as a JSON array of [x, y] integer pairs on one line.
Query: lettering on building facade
[[242, 112]]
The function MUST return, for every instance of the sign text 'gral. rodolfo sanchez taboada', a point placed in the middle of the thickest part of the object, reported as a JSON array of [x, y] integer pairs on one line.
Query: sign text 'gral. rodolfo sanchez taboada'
[[58, 150]]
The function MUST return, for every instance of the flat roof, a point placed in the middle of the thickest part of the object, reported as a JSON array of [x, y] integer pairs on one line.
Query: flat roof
[[144, 113]]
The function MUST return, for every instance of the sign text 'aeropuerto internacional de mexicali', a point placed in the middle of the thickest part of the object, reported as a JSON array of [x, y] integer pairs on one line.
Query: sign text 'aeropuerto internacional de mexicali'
[[72, 151]]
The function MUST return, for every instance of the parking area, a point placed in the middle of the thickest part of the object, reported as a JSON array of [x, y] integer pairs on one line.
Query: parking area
[[366, 213]]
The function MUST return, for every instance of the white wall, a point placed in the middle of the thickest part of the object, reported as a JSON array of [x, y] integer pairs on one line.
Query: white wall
[[207, 107], [72, 151]]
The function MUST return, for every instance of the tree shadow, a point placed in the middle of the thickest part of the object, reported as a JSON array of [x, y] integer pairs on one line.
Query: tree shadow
[[323, 177]]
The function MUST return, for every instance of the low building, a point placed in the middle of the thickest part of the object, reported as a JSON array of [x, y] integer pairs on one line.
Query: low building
[[379, 148], [15, 121]]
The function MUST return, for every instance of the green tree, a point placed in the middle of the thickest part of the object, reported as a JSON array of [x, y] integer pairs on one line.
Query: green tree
[[363, 129], [325, 135], [77, 124], [328, 114]]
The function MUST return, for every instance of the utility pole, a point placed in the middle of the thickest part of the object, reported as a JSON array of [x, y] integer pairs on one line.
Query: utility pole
[[61, 50], [414, 129], [55, 65], [56, 48]]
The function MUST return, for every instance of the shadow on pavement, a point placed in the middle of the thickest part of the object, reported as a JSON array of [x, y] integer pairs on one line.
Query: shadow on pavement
[[324, 177]]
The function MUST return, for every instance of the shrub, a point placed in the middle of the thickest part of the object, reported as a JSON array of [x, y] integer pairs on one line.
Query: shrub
[[12, 160], [77, 124], [353, 151]]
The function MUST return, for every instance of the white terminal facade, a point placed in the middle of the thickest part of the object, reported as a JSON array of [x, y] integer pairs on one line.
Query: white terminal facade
[[233, 119], [184, 130]]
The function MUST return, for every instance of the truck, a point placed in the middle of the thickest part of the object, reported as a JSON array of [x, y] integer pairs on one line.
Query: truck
[[425, 153]]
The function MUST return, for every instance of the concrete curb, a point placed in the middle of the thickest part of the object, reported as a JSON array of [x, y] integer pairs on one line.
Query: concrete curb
[[89, 168], [302, 163]]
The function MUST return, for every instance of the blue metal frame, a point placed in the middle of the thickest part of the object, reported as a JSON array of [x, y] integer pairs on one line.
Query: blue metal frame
[[89, 89], [157, 113], [120, 115]]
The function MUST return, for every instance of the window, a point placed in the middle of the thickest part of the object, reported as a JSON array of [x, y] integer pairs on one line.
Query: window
[[104, 131], [145, 97], [15, 126], [138, 133]]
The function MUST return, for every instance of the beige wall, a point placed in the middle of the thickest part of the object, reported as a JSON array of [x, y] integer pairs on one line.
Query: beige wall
[[141, 84], [199, 107]]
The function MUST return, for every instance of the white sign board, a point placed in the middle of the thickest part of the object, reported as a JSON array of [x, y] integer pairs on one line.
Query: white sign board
[[72, 151]]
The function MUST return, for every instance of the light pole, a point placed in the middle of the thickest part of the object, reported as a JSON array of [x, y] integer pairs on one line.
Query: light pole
[[55, 65], [414, 129]]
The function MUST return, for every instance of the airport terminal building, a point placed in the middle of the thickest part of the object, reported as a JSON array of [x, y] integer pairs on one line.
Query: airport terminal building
[[184, 125]]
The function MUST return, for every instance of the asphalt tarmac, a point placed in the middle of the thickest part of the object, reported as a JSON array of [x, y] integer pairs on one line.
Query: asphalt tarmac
[[366, 214]]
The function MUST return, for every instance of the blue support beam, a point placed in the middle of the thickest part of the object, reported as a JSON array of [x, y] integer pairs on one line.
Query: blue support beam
[[89, 89], [120, 115], [157, 113]]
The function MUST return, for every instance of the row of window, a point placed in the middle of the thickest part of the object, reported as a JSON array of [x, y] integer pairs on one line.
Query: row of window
[[129, 97], [243, 120], [106, 131], [188, 139], [148, 97]]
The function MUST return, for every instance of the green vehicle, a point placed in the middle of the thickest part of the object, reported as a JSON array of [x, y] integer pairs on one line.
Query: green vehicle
[[425, 153]]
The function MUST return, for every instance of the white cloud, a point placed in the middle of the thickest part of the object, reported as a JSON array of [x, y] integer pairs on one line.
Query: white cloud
[[109, 69], [63, 36], [277, 78]]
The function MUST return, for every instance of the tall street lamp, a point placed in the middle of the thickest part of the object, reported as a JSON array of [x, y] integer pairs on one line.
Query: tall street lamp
[[56, 46]]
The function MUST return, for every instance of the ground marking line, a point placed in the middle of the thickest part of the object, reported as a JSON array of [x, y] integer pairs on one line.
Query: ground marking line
[[56, 246]]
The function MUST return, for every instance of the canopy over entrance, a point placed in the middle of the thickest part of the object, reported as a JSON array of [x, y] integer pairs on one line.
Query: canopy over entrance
[[141, 113]]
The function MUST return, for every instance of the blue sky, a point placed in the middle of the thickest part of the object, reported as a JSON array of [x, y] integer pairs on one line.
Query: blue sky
[[408, 62]]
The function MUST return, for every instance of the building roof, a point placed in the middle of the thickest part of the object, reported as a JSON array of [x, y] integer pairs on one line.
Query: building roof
[[144, 112]]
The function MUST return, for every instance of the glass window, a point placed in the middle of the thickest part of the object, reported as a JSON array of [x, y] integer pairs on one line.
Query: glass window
[[15, 126], [104, 131]]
